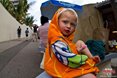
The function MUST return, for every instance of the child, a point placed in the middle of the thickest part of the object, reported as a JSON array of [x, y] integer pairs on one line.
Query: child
[[63, 58]]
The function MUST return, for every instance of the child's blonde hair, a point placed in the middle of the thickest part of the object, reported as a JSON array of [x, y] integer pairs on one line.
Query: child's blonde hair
[[68, 9]]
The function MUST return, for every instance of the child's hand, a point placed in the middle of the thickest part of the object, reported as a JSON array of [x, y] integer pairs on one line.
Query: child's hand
[[96, 59]]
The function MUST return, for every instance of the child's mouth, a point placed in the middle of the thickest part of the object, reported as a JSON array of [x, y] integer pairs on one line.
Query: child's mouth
[[67, 31]]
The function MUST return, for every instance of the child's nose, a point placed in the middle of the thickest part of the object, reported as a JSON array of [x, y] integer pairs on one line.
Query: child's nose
[[68, 25]]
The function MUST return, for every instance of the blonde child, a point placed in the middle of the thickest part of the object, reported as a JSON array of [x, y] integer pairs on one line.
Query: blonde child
[[63, 58]]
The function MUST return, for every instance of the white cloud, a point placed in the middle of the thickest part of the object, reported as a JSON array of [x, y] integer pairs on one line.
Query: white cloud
[[35, 9]]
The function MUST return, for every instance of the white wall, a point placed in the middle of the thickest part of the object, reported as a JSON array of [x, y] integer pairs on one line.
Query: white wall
[[9, 25]]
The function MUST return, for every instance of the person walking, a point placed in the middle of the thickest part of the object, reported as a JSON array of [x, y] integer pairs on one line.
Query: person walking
[[35, 37], [26, 33], [19, 32]]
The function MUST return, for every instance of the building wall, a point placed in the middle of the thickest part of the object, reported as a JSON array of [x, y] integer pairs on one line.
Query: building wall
[[9, 25], [90, 25]]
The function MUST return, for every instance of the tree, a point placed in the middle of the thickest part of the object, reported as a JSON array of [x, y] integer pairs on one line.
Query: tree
[[8, 5], [29, 21], [19, 11]]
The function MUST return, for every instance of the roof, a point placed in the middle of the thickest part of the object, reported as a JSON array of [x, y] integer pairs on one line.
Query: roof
[[103, 3]]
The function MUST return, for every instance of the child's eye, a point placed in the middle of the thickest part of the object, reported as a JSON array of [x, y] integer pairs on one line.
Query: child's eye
[[65, 22], [73, 24]]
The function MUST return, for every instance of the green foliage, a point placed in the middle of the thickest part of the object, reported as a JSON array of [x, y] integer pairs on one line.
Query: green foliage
[[8, 5], [19, 11], [29, 20]]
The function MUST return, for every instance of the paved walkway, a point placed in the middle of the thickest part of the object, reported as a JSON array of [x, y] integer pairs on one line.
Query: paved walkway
[[8, 44], [19, 59]]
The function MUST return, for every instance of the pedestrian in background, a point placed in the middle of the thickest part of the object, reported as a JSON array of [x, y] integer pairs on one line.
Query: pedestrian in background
[[43, 34], [35, 37], [26, 33], [43, 31], [19, 32]]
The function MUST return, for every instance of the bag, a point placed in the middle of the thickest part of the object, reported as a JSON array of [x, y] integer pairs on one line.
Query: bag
[[42, 62], [96, 47]]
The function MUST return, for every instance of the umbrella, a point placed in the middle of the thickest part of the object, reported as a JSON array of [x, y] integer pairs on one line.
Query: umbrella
[[49, 7]]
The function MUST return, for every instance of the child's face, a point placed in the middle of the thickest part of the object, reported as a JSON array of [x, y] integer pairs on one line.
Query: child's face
[[67, 22]]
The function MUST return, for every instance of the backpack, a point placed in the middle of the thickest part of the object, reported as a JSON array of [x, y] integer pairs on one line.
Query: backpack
[[96, 47]]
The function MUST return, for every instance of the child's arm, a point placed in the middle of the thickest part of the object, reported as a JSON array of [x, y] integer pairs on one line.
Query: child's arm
[[82, 47], [66, 57]]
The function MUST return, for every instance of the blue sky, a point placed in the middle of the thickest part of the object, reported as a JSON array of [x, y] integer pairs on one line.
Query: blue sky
[[34, 10]]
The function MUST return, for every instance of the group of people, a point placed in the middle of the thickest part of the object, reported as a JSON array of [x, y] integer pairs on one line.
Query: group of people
[[19, 30], [39, 32], [63, 58]]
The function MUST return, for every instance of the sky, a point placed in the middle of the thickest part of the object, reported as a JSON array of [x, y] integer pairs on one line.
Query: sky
[[34, 9]]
